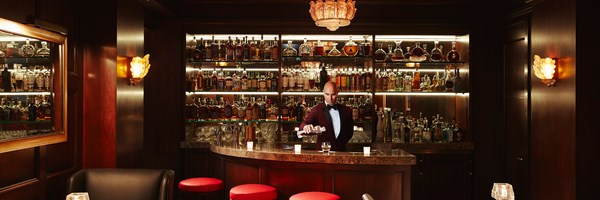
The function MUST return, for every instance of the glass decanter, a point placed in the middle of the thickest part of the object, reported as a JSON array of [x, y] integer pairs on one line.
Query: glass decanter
[[334, 51], [417, 53], [27, 50], [436, 53], [44, 51], [289, 50], [350, 49], [390, 53], [304, 49], [380, 54], [453, 55], [398, 54], [319, 49]]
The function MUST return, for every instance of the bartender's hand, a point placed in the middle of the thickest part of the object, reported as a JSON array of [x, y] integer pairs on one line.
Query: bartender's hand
[[308, 128]]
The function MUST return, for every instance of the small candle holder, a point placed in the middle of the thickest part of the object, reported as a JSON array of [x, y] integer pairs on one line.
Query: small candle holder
[[503, 191], [367, 150], [250, 146], [297, 148]]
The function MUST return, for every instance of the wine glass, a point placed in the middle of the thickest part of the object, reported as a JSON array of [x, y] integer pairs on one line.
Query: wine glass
[[326, 146]]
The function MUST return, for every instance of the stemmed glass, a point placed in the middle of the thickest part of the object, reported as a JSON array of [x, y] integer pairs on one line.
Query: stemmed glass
[[326, 146]]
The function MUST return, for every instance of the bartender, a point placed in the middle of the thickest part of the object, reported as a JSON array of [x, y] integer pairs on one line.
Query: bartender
[[336, 118]]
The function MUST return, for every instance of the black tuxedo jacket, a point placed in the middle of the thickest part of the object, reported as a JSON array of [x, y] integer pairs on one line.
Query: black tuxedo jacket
[[319, 115]]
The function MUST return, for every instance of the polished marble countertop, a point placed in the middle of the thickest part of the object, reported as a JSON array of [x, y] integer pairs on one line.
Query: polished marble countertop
[[285, 153]]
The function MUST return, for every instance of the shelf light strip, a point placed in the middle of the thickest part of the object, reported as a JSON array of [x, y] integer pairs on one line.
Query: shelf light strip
[[23, 93], [234, 93], [188, 69], [321, 93], [464, 38], [420, 94], [324, 37]]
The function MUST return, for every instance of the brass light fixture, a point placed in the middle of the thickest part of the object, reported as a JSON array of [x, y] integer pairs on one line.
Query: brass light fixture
[[133, 68], [545, 69], [332, 14]]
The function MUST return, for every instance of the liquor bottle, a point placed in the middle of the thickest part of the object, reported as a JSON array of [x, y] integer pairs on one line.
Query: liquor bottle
[[252, 49], [323, 77], [267, 51], [241, 113], [229, 50], [227, 110], [198, 52], [350, 49], [262, 83], [355, 110], [289, 50], [27, 50], [238, 50], [260, 52], [275, 50], [334, 51], [12, 49], [398, 54], [246, 50], [380, 54], [458, 82], [416, 81], [6, 80], [453, 55], [367, 46], [436, 53], [304, 49], [390, 53], [319, 49], [215, 46], [244, 81], [249, 110], [274, 82], [285, 112], [449, 83], [425, 53], [192, 110], [299, 111], [255, 109], [228, 82], [407, 54], [417, 53]]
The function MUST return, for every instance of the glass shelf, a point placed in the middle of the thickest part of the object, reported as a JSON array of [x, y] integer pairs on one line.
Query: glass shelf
[[25, 122], [26, 60], [23, 93]]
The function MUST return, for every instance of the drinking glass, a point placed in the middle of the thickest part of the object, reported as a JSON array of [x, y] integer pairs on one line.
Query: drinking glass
[[326, 146], [78, 196]]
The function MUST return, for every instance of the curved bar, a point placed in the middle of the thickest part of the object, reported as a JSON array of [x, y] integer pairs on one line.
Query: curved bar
[[285, 153], [384, 174]]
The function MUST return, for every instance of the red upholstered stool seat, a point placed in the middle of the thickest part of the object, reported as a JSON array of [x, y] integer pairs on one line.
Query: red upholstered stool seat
[[201, 184], [314, 196], [253, 192]]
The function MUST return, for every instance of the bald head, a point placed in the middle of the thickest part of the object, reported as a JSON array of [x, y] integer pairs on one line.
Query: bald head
[[330, 92]]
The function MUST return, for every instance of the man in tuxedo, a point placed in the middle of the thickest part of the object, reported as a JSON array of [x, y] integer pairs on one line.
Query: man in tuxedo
[[336, 118]]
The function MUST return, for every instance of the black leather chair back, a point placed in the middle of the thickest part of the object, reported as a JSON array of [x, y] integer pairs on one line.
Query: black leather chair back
[[123, 184]]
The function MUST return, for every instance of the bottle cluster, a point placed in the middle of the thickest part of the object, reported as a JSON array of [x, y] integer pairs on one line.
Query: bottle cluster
[[238, 49], [25, 79], [398, 127], [231, 81], [320, 48], [394, 80], [35, 108], [25, 48], [240, 108], [415, 53]]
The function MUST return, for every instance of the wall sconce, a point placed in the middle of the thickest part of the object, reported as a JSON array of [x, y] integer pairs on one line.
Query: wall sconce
[[545, 69], [133, 68], [503, 191]]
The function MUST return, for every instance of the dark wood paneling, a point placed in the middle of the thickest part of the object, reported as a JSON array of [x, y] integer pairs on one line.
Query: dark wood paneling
[[553, 127], [516, 104], [17, 166]]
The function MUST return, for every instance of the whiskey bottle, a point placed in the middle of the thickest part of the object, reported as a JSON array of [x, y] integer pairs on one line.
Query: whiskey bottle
[[323, 77], [319, 49], [367, 49], [453, 55], [275, 50], [417, 53], [458, 81], [198, 52], [229, 50], [246, 50], [238, 50]]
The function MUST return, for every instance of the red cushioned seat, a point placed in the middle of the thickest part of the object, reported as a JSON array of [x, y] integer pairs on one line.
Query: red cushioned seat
[[253, 192], [314, 196], [201, 184]]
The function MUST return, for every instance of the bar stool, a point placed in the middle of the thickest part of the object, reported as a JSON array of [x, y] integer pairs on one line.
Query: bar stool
[[314, 195], [201, 186], [253, 192]]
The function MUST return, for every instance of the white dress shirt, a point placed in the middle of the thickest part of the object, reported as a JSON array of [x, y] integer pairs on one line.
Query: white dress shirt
[[335, 120]]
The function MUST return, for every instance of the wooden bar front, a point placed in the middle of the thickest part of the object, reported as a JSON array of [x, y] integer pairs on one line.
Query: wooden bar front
[[385, 174]]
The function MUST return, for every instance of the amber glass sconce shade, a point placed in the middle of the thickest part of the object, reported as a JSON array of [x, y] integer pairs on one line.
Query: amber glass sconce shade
[[133, 68], [545, 69]]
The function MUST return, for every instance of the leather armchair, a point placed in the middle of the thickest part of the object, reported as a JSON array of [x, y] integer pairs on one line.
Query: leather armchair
[[123, 184]]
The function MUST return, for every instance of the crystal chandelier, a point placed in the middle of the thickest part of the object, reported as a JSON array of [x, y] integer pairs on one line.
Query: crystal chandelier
[[332, 14]]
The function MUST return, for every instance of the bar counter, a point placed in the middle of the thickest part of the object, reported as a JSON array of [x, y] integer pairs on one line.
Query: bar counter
[[285, 153], [384, 174]]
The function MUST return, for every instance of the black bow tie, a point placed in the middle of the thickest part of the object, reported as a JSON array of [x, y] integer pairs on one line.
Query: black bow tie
[[329, 107]]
